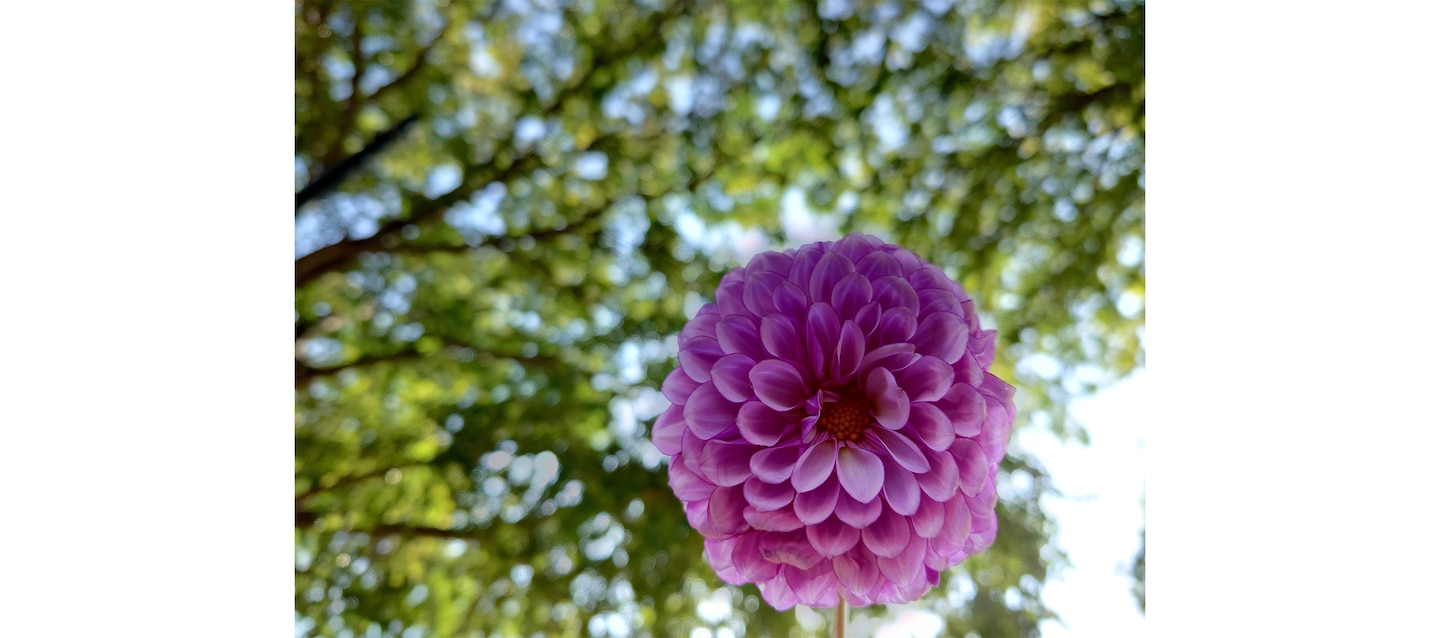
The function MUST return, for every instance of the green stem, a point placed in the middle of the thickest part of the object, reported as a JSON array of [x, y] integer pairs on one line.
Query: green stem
[[840, 619]]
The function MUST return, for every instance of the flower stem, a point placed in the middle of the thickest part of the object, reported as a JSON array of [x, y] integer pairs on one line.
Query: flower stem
[[840, 619]]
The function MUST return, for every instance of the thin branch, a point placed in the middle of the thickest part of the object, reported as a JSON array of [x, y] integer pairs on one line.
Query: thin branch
[[338, 255], [337, 174], [305, 374], [421, 59]]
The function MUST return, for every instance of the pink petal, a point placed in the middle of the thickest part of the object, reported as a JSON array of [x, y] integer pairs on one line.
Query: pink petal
[[781, 520], [984, 347], [791, 301], [698, 356], [831, 537], [849, 351], [814, 466], [790, 548], [942, 335], [997, 430], [850, 294], [927, 379], [972, 465], [831, 268], [888, 535], [822, 330], [964, 408], [854, 513], [902, 493], [878, 264], [901, 448], [703, 325], [897, 325], [708, 413], [731, 376], [697, 513], [766, 497], [730, 297], [928, 518], [968, 371], [868, 318], [726, 464], [678, 386], [857, 570], [888, 403], [687, 485], [781, 337], [738, 334], [956, 529], [861, 473], [763, 426], [727, 510], [856, 246], [943, 480], [760, 292], [747, 559], [668, 429], [814, 587], [931, 426], [774, 465], [818, 504], [936, 301], [895, 292], [802, 269], [778, 384], [777, 593], [908, 566], [894, 356]]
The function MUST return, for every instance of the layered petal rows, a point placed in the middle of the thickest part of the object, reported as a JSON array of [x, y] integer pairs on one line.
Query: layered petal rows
[[834, 431]]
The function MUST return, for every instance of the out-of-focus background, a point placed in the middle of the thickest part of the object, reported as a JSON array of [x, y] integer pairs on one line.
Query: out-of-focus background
[[506, 210]]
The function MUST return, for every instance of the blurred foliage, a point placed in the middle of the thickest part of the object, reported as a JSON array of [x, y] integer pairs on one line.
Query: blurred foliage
[[515, 205]]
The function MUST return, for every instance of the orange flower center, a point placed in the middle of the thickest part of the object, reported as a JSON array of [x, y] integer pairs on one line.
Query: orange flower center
[[847, 418]]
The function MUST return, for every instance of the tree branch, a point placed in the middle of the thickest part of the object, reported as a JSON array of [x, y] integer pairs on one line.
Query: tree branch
[[337, 174], [305, 374], [338, 255]]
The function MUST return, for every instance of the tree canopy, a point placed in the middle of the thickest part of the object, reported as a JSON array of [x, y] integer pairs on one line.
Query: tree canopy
[[505, 212]]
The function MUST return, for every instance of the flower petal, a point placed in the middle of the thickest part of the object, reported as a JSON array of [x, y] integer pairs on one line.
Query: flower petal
[[901, 448], [760, 292], [908, 566], [668, 429], [815, 465], [738, 334], [678, 386], [689, 486], [763, 426], [897, 325], [938, 300], [861, 473], [972, 466], [888, 535], [832, 538], [925, 380], [850, 294], [774, 465], [888, 403], [708, 413], [831, 268], [814, 587], [746, 557], [817, 504], [697, 513], [727, 510], [822, 330], [868, 318], [731, 376], [902, 493], [698, 356], [703, 325], [998, 422], [855, 513], [790, 301], [878, 264], [984, 347], [928, 518], [803, 267], [781, 520], [895, 356], [790, 548], [956, 529], [726, 464], [931, 425], [943, 480], [777, 593], [781, 336], [778, 384], [848, 352], [942, 335], [964, 408], [766, 497], [857, 570], [895, 292]]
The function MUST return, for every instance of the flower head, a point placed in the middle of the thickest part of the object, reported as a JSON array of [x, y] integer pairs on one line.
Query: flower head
[[834, 431]]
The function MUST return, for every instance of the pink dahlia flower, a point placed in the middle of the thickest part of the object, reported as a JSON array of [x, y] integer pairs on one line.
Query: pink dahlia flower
[[834, 432]]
